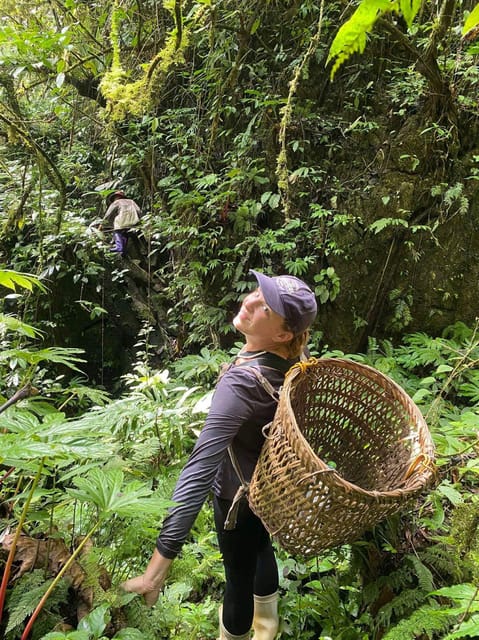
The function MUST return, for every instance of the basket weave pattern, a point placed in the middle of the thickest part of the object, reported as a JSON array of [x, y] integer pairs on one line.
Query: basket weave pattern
[[347, 448]]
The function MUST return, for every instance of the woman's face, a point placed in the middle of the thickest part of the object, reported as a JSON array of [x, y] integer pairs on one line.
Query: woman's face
[[255, 319]]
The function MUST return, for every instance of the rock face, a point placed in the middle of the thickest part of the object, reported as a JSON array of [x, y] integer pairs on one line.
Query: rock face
[[409, 261]]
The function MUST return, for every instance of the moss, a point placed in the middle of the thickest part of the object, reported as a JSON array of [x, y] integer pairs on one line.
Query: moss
[[123, 98], [135, 98], [465, 533]]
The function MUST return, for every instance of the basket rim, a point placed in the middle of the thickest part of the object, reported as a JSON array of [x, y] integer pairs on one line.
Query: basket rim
[[423, 470]]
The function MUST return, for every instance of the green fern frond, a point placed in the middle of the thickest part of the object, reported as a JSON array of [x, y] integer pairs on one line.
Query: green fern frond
[[424, 575], [444, 560], [402, 605], [142, 619], [94, 572], [464, 610], [26, 595], [419, 349], [382, 223], [401, 578], [427, 621], [352, 36], [465, 526]]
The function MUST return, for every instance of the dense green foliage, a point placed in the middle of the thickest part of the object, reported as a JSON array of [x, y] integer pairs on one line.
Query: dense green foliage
[[222, 121], [333, 141], [96, 485]]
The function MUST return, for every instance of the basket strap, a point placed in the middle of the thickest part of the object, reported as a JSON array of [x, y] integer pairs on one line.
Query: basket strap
[[265, 383], [242, 492], [243, 489]]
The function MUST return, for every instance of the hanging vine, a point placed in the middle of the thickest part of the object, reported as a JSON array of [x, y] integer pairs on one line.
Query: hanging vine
[[282, 172]]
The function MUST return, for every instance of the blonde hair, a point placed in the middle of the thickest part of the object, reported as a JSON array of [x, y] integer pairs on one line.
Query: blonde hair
[[297, 344]]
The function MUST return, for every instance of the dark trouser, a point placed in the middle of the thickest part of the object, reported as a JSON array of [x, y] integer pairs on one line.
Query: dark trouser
[[121, 240], [249, 562]]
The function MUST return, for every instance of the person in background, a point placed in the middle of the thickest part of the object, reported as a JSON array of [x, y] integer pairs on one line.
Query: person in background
[[275, 320], [122, 214]]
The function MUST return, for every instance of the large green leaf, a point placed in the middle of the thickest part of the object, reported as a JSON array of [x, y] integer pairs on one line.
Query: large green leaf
[[466, 629], [107, 491], [27, 438], [409, 9], [352, 35], [10, 323], [13, 279], [459, 592], [95, 622], [472, 20], [56, 355]]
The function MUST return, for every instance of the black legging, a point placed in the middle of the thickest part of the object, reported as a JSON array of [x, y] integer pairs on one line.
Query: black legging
[[249, 562]]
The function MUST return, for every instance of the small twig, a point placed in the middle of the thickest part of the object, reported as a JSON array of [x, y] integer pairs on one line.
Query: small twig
[[5, 476], [22, 393]]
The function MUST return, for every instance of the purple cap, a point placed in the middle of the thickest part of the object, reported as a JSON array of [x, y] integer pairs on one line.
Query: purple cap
[[290, 297]]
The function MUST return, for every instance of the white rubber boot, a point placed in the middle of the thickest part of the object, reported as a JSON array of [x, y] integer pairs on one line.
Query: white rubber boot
[[226, 635], [266, 620]]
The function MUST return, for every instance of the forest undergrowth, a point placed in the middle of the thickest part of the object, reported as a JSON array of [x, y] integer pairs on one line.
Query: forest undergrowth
[[86, 479]]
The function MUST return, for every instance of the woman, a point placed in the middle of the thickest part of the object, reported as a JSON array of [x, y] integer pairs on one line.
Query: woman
[[275, 319]]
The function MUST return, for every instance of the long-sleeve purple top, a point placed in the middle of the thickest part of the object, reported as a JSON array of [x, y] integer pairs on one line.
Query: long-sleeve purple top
[[239, 410]]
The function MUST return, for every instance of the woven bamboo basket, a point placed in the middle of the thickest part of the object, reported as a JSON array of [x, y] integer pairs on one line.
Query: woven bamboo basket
[[347, 448]]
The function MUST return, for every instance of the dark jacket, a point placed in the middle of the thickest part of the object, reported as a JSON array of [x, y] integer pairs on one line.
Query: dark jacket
[[239, 410]]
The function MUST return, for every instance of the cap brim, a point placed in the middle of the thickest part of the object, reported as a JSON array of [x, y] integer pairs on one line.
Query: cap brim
[[270, 292]]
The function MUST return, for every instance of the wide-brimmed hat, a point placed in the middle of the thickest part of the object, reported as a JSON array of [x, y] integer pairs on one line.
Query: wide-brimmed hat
[[290, 297]]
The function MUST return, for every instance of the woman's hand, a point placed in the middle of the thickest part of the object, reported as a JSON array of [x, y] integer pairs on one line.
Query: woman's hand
[[144, 587], [151, 582]]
